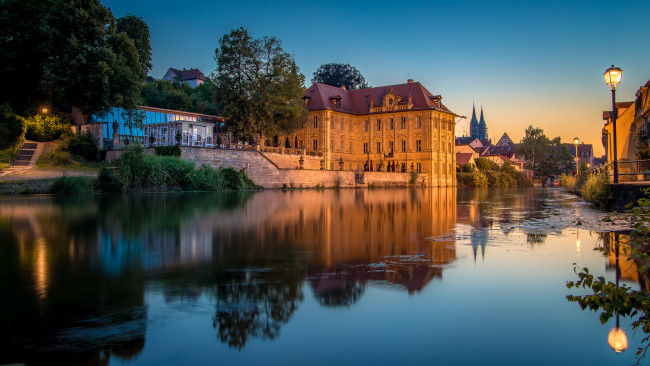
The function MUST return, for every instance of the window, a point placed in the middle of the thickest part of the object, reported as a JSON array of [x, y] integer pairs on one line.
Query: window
[[378, 147], [350, 126], [332, 145], [403, 123], [418, 167], [403, 167], [378, 125], [435, 122], [350, 147], [342, 125], [450, 124], [418, 145], [315, 145], [315, 123], [402, 146], [365, 126], [390, 124], [390, 147], [365, 147], [418, 122], [390, 101], [449, 144], [342, 144]]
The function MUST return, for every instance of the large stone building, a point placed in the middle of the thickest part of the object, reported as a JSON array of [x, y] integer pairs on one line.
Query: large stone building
[[396, 128]]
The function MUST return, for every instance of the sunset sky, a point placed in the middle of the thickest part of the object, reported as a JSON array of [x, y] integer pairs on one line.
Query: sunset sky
[[525, 62]]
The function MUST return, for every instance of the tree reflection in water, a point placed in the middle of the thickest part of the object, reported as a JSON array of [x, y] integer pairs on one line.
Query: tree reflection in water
[[255, 303]]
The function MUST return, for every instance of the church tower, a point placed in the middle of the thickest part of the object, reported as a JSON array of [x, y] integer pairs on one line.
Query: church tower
[[482, 130], [473, 125]]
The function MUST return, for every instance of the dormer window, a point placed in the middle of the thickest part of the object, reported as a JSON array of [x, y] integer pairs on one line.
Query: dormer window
[[336, 101], [390, 101]]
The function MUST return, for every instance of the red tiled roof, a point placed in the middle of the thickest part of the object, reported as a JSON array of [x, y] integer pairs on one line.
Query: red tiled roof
[[191, 74], [319, 96], [507, 151], [463, 158]]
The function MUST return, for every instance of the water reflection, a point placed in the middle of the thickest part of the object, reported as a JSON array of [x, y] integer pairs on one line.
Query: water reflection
[[78, 266]]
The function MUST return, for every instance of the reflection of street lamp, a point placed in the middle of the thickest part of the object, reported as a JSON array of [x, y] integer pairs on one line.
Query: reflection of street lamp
[[578, 241], [576, 142], [617, 338], [613, 77]]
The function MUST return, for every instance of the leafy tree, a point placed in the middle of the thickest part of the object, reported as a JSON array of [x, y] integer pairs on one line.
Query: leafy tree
[[138, 31], [258, 85], [533, 146], [90, 66], [180, 96], [11, 127], [545, 157], [22, 41], [340, 74]]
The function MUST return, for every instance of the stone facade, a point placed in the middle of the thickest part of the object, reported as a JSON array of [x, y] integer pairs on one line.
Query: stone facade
[[402, 125]]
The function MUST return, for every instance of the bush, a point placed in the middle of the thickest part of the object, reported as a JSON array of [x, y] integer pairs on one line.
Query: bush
[[248, 183], [174, 150], [206, 179], [72, 185], [108, 181], [46, 127], [485, 164], [61, 158], [131, 165], [84, 145], [413, 177], [165, 172], [597, 189], [568, 182], [11, 126], [232, 179]]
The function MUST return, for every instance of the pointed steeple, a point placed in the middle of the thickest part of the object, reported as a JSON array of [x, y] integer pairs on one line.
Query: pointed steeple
[[473, 123], [474, 120], [482, 121]]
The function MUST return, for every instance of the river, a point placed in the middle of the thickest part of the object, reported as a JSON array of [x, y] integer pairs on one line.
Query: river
[[319, 277]]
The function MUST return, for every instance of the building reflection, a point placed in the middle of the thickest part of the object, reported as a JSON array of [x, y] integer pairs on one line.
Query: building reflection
[[628, 267]]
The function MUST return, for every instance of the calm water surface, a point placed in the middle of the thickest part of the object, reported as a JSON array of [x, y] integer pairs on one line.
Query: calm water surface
[[433, 276]]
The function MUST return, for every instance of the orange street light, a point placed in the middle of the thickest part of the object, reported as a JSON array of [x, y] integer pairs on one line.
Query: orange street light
[[576, 142], [613, 77]]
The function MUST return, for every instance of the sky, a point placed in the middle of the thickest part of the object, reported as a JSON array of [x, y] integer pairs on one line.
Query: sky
[[537, 63]]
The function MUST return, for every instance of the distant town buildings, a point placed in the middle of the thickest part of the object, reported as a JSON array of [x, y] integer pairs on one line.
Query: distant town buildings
[[194, 77]]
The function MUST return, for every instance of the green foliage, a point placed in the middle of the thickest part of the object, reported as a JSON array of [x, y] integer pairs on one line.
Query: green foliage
[[340, 74], [59, 158], [72, 185], [138, 31], [108, 181], [131, 166], [11, 126], [83, 145], [642, 145], [46, 127], [207, 179], [174, 150], [232, 179], [259, 85], [413, 177], [485, 164], [546, 157], [597, 189]]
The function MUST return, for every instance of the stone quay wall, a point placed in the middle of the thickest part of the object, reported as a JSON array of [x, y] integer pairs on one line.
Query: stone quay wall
[[290, 161], [268, 174]]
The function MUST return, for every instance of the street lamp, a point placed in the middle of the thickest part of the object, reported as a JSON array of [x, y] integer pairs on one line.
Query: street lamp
[[613, 77], [576, 142]]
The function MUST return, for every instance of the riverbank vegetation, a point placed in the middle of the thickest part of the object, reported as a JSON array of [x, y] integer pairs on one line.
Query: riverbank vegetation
[[137, 172], [594, 188], [487, 173]]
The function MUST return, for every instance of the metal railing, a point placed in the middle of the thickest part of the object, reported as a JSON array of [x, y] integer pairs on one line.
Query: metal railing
[[628, 171]]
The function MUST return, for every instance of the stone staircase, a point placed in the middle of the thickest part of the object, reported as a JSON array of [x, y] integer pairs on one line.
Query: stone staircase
[[26, 154]]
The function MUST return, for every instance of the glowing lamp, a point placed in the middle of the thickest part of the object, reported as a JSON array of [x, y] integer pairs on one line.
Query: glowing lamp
[[617, 339], [44, 110], [613, 77], [576, 141]]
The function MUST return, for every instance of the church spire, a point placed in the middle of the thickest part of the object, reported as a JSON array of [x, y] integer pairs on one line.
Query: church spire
[[482, 121], [473, 123]]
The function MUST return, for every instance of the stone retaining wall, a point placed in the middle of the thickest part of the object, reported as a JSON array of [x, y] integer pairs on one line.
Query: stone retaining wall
[[287, 161]]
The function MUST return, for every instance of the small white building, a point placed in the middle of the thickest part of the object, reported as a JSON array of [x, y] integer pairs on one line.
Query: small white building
[[194, 77]]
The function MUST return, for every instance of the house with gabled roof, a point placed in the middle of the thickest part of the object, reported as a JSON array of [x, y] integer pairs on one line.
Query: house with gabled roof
[[194, 77], [393, 128]]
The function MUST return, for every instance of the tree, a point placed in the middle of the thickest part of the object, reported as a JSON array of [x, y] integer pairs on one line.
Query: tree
[[258, 85], [138, 31], [545, 157], [22, 41], [90, 66], [338, 75]]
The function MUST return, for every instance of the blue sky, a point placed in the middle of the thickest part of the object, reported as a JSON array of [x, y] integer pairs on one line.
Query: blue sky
[[526, 62]]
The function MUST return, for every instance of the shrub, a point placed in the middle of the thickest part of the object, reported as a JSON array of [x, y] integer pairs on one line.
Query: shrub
[[11, 126], [108, 181], [174, 150], [568, 182], [413, 177], [484, 164], [479, 179], [206, 179], [248, 183], [131, 165], [46, 127], [232, 178], [597, 189], [84, 145], [61, 158], [72, 185]]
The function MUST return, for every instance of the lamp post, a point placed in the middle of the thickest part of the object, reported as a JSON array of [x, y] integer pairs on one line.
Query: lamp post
[[576, 142], [613, 77]]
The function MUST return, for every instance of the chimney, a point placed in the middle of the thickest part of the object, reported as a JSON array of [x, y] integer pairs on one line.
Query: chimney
[[410, 81], [343, 86]]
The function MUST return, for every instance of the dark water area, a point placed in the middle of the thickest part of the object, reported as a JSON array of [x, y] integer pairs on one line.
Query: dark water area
[[400, 276]]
